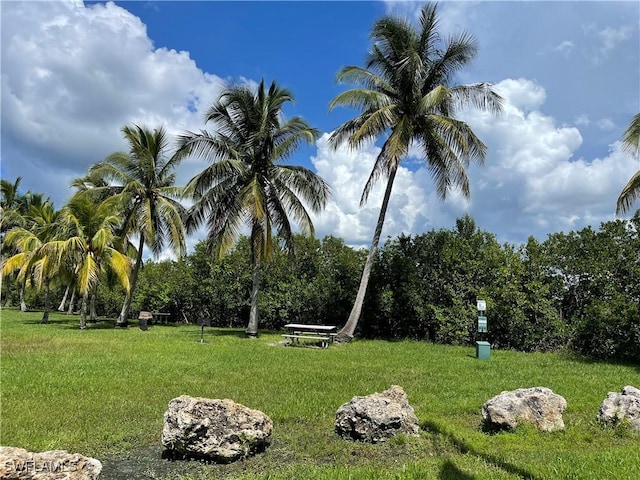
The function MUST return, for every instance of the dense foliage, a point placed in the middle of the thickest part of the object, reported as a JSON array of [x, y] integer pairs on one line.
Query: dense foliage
[[577, 291]]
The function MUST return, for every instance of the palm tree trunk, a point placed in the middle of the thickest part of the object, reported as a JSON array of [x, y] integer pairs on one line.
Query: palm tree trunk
[[23, 304], [83, 310], [45, 315], [252, 328], [123, 319], [93, 316], [64, 300], [72, 302], [346, 333], [7, 300], [8, 287], [2, 276]]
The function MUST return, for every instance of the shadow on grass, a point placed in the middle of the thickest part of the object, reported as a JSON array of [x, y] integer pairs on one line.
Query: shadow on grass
[[450, 472], [191, 330], [574, 357], [51, 321], [101, 324], [72, 322], [465, 448]]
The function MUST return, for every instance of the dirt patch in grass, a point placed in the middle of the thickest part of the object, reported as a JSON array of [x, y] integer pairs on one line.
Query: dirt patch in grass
[[146, 463]]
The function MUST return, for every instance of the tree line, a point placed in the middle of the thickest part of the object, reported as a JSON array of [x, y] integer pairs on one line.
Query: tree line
[[574, 292]]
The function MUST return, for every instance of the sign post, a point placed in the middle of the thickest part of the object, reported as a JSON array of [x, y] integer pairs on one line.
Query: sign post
[[483, 348], [203, 323]]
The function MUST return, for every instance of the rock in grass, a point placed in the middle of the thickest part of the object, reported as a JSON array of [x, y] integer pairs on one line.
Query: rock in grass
[[537, 405], [623, 406], [19, 464], [221, 431], [377, 417]]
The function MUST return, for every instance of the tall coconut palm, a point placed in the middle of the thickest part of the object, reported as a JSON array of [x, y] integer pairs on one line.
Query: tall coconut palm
[[245, 184], [87, 242], [406, 96], [631, 143], [144, 178]]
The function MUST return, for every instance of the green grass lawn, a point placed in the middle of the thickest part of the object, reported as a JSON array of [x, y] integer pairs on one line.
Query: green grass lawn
[[102, 392]]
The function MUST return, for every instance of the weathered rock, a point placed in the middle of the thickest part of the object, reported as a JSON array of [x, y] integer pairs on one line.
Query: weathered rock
[[538, 405], [377, 417], [19, 464], [623, 406], [218, 430]]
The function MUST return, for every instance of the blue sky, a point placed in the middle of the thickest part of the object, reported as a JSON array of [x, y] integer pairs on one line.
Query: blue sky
[[74, 73]]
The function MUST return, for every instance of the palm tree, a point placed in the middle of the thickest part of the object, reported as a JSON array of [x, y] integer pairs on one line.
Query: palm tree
[[32, 264], [87, 243], [10, 204], [631, 143], [245, 184], [405, 94], [15, 209], [19, 211], [145, 180]]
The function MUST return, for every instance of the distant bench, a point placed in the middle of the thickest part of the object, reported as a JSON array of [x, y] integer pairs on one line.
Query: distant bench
[[320, 333], [159, 317], [152, 317]]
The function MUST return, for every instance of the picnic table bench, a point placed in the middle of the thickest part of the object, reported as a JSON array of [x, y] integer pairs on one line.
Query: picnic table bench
[[152, 317], [159, 317], [320, 333]]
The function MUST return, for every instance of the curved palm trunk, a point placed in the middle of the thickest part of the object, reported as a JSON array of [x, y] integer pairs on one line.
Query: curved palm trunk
[[45, 315], [346, 333], [123, 319], [64, 300], [93, 316], [2, 282], [23, 304], [72, 302], [2, 277], [83, 310], [252, 328]]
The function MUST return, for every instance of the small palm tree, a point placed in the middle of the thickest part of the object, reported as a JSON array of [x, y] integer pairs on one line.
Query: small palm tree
[[246, 185], [405, 94], [28, 260], [86, 242], [15, 210], [631, 143], [145, 181], [10, 205]]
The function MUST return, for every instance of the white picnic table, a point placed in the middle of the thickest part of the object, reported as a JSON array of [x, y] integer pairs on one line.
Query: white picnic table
[[321, 333]]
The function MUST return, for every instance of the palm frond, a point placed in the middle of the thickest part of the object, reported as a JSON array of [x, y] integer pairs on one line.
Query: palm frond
[[368, 80], [631, 136], [630, 193], [479, 95]]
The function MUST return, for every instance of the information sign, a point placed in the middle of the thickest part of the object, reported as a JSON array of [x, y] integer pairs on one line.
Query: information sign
[[482, 324]]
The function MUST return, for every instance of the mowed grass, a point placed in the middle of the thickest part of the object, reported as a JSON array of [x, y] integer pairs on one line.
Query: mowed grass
[[102, 392]]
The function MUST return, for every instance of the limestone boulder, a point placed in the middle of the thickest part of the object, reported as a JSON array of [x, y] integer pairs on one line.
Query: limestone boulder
[[20, 464], [537, 405], [377, 417], [624, 406], [221, 431]]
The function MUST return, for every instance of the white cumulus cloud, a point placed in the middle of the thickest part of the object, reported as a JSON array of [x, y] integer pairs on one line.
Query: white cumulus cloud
[[74, 75], [531, 183]]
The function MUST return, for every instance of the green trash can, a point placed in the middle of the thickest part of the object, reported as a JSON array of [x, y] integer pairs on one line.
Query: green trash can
[[483, 350]]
